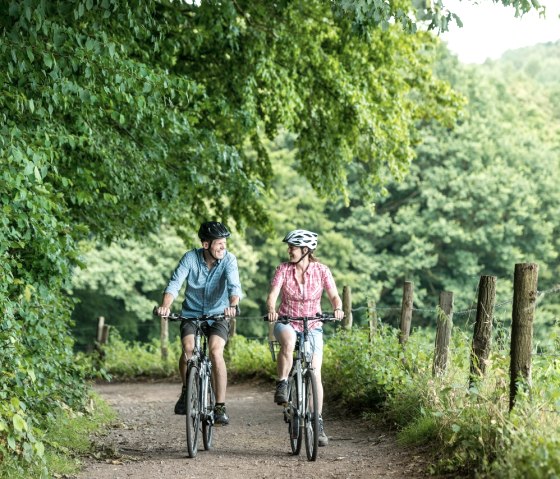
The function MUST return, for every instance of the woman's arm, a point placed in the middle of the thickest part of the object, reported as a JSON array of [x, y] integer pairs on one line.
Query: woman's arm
[[271, 302], [336, 302]]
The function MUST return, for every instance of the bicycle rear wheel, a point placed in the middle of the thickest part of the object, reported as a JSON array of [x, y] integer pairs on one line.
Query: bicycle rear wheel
[[208, 421], [294, 419], [193, 413], [310, 404]]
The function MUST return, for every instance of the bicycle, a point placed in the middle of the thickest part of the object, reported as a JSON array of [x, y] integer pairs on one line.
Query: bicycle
[[200, 398], [299, 411]]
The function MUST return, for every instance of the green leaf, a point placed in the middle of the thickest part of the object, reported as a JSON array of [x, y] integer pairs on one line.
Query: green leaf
[[19, 423], [37, 174], [12, 442]]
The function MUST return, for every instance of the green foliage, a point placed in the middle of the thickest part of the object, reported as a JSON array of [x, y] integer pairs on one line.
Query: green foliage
[[132, 359], [126, 360], [472, 429], [361, 374], [64, 436], [39, 374], [247, 358]]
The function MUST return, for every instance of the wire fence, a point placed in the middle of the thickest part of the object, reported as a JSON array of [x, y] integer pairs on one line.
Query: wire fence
[[502, 316]]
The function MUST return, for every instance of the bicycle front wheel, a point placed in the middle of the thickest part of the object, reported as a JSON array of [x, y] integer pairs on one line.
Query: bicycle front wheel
[[311, 416], [294, 418], [208, 420], [193, 413]]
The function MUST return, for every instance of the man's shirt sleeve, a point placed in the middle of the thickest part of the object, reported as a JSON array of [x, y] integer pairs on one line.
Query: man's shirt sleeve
[[178, 278], [232, 275]]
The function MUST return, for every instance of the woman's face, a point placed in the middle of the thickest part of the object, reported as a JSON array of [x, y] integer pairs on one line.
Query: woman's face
[[295, 253]]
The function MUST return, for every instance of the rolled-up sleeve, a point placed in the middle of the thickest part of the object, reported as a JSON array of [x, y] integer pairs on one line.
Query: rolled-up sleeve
[[232, 275], [178, 278]]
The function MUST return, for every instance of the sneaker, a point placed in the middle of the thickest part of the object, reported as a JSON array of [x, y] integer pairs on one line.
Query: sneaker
[[180, 407], [281, 394], [322, 439], [220, 416]]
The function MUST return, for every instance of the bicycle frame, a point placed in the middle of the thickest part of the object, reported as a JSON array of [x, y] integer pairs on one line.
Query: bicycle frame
[[202, 362], [200, 392], [300, 410]]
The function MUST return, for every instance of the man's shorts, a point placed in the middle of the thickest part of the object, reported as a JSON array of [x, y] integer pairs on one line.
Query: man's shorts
[[212, 327], [315, 337]]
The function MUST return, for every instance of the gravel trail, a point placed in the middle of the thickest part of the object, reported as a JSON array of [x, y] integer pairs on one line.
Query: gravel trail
[[148, 441]]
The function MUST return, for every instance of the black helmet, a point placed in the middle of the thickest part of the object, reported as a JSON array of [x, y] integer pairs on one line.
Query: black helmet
[[212, 230]]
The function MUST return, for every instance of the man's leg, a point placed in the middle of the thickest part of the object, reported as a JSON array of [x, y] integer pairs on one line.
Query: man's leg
[[188, 347], [216, 346]]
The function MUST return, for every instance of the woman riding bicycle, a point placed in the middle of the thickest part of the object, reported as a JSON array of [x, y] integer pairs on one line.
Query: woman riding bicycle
[[301, 281]]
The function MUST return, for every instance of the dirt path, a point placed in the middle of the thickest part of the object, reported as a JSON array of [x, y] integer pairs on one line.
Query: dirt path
[[149, 441]]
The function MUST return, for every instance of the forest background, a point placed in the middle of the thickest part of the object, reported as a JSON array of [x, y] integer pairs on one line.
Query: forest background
[[478, 198], [123, 125]]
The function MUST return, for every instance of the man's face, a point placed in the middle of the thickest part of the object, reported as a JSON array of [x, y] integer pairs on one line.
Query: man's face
[[217, 248]]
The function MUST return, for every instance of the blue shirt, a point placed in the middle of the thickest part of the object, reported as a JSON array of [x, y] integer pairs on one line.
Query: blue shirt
[[207, 291]]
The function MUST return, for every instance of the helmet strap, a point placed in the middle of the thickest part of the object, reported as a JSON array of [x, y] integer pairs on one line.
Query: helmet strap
[[208, 250], [303, 255]]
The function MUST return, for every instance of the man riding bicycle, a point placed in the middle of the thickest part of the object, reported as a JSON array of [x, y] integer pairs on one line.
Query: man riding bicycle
[[213, 287], [301, 282]]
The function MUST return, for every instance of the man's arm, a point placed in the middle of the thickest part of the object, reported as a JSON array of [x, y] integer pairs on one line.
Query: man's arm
[[165, 307], [233, 309]]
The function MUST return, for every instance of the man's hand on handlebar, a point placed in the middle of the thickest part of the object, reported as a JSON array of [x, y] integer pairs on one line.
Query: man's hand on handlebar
[[163, 311], [231, 311]]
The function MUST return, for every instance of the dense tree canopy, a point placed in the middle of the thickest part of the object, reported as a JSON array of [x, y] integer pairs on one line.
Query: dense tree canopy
[[478, 199]]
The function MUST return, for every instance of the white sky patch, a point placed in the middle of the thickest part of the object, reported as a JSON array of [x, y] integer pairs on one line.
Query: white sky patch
[[490, 29]]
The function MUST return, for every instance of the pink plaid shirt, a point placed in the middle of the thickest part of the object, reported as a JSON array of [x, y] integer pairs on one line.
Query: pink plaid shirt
[[305, 299]]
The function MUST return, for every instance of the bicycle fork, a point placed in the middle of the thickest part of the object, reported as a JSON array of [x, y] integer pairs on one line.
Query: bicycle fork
[[206, 409], [296, 409]]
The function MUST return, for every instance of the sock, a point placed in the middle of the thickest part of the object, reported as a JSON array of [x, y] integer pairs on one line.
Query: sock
[[220, 404]]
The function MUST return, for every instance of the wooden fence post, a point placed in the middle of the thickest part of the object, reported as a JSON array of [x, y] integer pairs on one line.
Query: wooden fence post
[[443, 333], [347, 307], [482, 337], [372, 314], [271, 340], [232, 327], [523, 314], [164, 338], [100, 324], [105, 334], [406, 312]]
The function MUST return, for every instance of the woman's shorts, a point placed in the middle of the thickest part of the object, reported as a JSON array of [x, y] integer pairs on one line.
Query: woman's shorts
[[315, 336]]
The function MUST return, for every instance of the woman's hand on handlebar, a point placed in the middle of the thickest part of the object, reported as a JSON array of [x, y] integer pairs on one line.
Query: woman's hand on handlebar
[[339, 314], [272, 316]]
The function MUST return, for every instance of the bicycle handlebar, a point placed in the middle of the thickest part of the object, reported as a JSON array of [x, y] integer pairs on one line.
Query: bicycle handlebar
[[324, 317], [178, 317]]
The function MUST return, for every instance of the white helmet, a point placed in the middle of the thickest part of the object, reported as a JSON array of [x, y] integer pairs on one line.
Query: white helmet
[[302, 238]]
